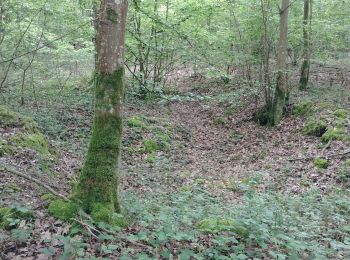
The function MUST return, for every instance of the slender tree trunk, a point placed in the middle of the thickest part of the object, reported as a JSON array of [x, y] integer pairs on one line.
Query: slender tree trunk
[[281, 87], [266, 54], [304, 77], [97, 188]]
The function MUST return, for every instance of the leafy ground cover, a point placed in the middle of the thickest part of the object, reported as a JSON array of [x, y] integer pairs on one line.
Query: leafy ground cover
[[201, 179]]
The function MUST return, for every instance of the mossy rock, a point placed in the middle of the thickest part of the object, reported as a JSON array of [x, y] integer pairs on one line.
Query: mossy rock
[[315, 128], [333, 134], [321, 163], [29, 124], [36, 141], [150, 145], [8, 117], [303, 108], [5, 148], [341, 113], [10, 217], [63, 210], [222, 225]]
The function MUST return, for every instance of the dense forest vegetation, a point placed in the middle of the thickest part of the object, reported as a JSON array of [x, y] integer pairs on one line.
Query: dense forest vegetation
[[168, 129]]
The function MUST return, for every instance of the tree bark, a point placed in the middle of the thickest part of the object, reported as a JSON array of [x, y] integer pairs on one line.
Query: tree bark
[[281, 87], [97, 188], [305, 67]]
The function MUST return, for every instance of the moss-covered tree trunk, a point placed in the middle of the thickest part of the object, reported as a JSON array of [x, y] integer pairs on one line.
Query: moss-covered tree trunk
[[97, 188], [305, 67], [279, 101]]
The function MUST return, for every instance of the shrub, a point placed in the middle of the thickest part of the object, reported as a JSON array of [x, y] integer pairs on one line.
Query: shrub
[[315, 128]]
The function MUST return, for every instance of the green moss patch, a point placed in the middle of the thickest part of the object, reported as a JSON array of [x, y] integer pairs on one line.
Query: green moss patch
[[219, 121], [303, 108], [7, 117], [29, 124], [148, 135], [341, 113], [222, 225], [63, 210], [37, 142], [315, 128], [326, 120], [150, 146], [105, 212], [102, 212], [135, 122], [151, 158], [321, 163], [6, 148]]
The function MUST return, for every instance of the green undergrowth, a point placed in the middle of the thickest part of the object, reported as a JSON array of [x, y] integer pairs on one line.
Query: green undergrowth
[[64, 113], [261, 226], [10, 217], [344, 172]]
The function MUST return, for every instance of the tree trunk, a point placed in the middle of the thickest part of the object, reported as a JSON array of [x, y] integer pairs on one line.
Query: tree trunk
[[97, 188], [304, 77], [281, 87]]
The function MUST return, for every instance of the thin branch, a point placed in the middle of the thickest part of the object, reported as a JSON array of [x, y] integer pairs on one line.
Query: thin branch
[[88, 228], [92, 229], [48, 43], [11, 169], [321, 156], [17, 46]]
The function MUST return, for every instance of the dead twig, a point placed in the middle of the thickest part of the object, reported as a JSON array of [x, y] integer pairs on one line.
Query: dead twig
[[321, 156], [92, 229], [88, 228], [13, 170]]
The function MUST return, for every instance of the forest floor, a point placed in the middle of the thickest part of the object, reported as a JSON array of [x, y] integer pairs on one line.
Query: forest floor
[[198, 139]]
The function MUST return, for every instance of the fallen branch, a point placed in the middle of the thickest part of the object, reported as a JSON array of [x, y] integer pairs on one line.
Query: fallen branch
[[88, 228], [321, 156], [13, 170], [92, 230]]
